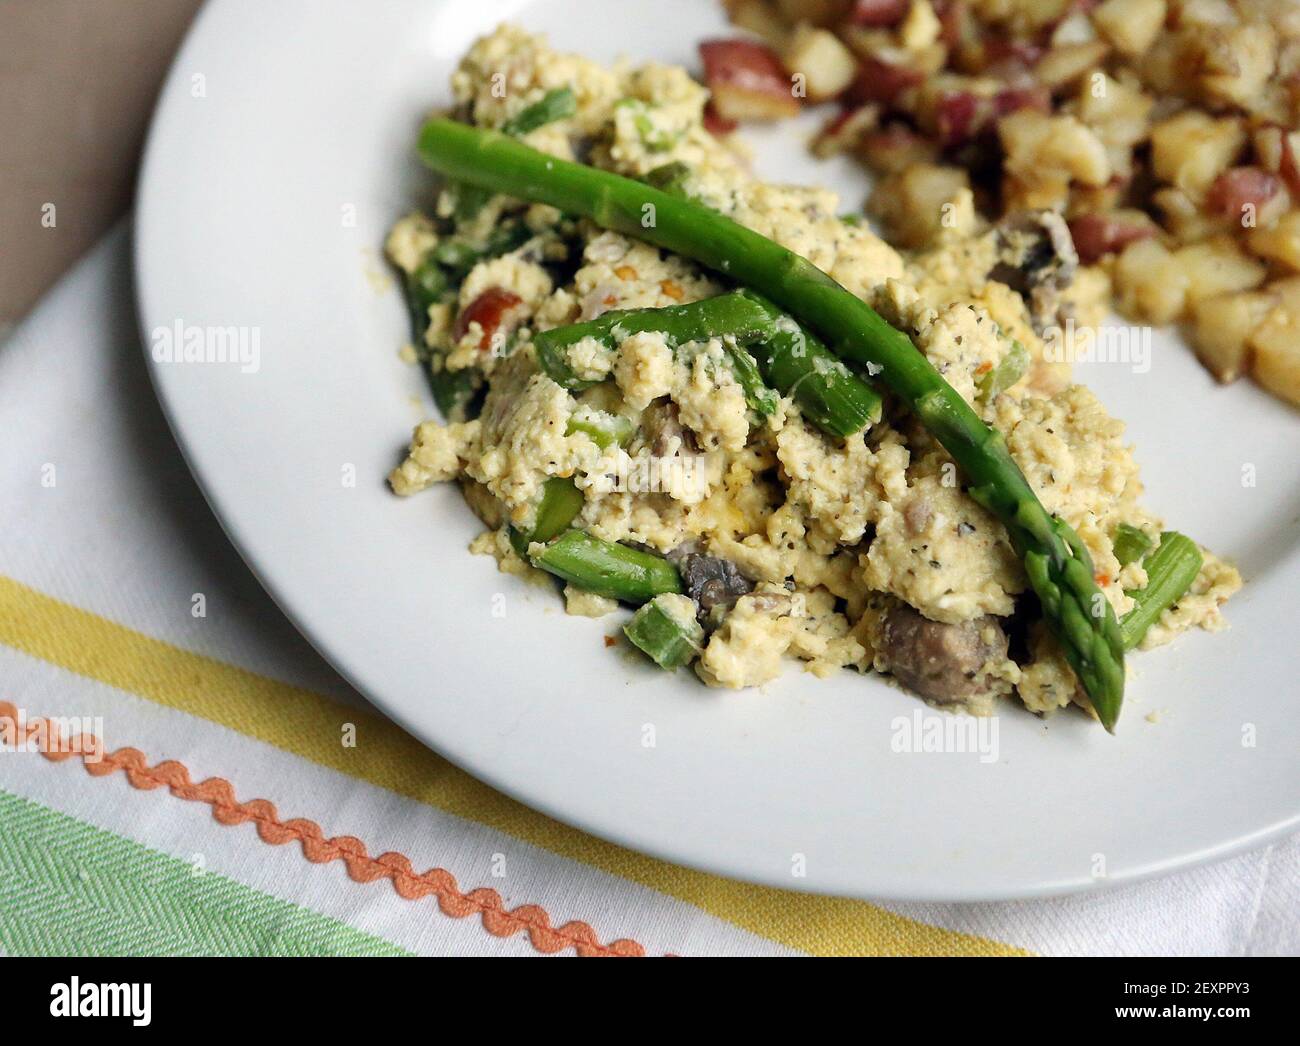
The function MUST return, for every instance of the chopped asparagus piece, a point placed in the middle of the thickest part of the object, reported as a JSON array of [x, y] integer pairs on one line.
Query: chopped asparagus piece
[[1171, 569], [1130, 544], [664, 633], [558, 104], [561, 502], [604, 429], [670, 178], [614, 571], [1009, 370]]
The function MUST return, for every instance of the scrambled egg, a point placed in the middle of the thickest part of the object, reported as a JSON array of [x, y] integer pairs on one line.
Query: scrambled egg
[[848, 546]]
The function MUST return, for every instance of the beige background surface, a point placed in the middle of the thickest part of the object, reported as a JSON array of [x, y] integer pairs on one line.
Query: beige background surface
[[77, 84]]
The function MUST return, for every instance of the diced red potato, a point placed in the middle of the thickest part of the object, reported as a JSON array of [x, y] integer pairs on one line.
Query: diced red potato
[[956, 27], [895, 147], [845, 130], [1096, 235], [1007, 56], [717, 125], [879, 14], [1290, 166], [1013, 99], [880, 81], [1240, 188], [747, 81], [497, 311], [825, 64], [957, 118], [814, 12]]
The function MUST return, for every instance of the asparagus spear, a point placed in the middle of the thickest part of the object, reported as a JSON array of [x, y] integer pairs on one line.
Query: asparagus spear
[[726, 314], [453, 391], [788, 358], [797, 364], [1171, 569], [1056, 562], [758, 396], [607, 569], [669, 635]]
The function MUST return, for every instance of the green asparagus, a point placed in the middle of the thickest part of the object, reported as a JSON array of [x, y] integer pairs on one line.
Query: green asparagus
[[559, 104], [727, 314], [607, 569], [458, 253], [453, 391], [1130, 544], [1056, 562], [561, 502], [670, 178], [669, 639], [1009, 370], [1171, 569], [468, 201], [788, 358], [797, 364], [604, 429]]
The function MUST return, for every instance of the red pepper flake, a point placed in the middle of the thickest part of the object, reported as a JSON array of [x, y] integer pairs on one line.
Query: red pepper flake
[[1102, 579], [611, 641], [672, 289], [984, 367]]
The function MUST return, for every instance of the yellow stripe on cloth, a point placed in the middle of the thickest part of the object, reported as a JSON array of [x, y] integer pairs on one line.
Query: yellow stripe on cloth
[[308, 725]]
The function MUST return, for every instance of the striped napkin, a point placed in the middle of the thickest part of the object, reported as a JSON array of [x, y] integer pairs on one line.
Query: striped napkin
[[199, 799]]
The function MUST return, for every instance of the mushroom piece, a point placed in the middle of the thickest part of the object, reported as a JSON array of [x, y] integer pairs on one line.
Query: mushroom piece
[[1037, 260], [941, 662], [712, 582]]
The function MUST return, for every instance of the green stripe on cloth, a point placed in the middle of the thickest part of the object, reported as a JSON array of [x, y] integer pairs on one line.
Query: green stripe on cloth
[[69, 888]]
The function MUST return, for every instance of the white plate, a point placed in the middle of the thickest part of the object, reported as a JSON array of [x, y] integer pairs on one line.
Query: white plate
[[282, 122]]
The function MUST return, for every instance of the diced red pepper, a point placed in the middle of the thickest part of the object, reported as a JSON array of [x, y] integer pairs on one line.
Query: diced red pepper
[[491, 311]]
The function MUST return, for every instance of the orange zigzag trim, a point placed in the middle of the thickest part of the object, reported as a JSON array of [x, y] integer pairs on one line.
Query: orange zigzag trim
[[218, 793]]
